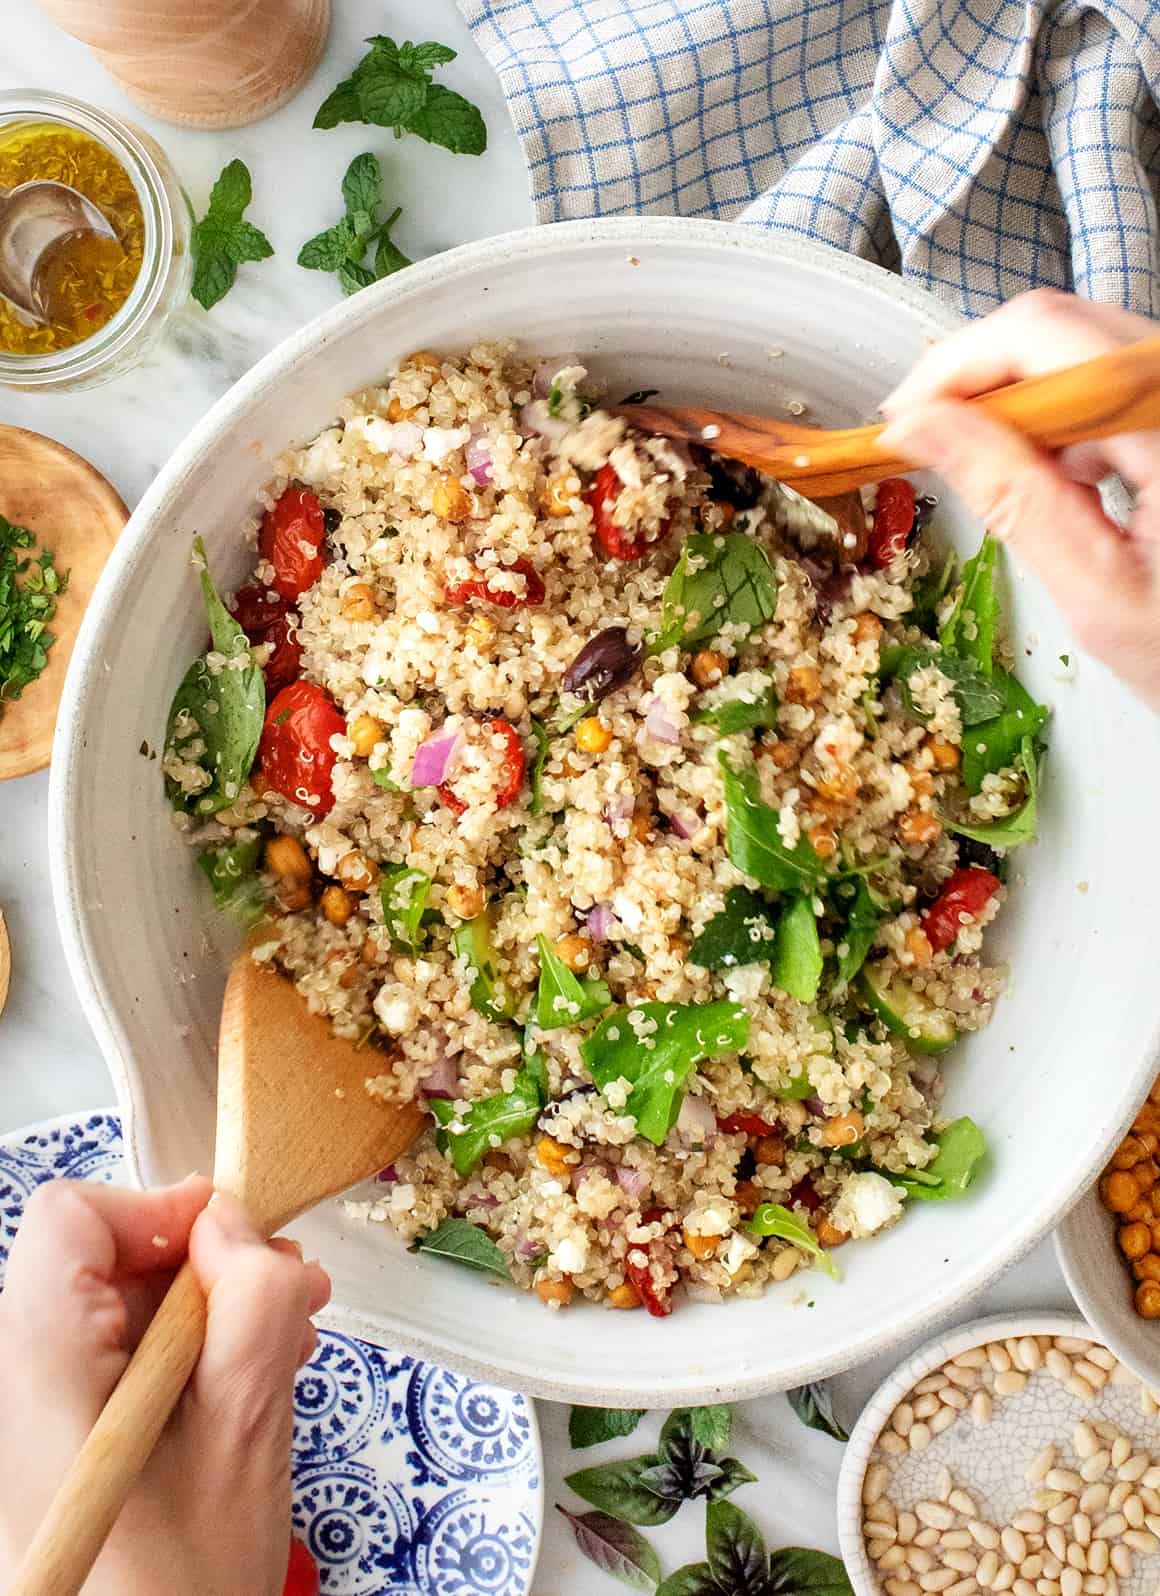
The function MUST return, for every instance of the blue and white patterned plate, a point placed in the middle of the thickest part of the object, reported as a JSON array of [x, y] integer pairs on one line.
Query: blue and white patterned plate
[[408, 1480]]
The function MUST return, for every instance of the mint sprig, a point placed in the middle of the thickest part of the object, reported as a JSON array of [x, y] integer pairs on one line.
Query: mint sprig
[[392, 87], [222, 241], [343, 247]]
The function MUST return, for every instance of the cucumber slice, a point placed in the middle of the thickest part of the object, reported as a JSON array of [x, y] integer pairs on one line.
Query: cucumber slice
[[906, 1012]]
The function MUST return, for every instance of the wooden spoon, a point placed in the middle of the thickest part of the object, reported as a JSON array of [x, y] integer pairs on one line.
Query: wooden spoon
[[295, 1125], [1116, 392]]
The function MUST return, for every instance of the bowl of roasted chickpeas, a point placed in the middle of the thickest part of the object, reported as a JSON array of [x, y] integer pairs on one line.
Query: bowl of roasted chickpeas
[[1109, 1247]]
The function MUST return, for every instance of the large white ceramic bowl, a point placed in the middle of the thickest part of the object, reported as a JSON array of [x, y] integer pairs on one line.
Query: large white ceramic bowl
[[733, 317]]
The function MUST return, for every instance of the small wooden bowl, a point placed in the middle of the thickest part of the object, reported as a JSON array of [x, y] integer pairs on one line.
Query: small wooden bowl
[[73, 512]]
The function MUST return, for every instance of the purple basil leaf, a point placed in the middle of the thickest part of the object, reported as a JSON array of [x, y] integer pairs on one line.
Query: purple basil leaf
[[617, 1548], [737, 1555]]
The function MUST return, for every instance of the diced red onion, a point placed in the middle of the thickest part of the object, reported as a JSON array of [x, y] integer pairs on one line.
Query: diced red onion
[[696, 1121], [621, 807], [535, 422], [478, 457], [434, 758], [659, 723], [816, 1106], [526, 1247], [586, 1172], [441, 1080], [546, 370], [633, 1182], [483, 1200], [686, 822], [599, 922], [388, 1176]]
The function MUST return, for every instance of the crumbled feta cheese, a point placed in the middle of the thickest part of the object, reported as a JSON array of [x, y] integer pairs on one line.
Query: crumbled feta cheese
[[868, 1202], [329, 843], [439, 442], [571, 1255], [740, 1249], [630, 914], [401, 1200], [714, 1219], [397, 1010], [746, 982]]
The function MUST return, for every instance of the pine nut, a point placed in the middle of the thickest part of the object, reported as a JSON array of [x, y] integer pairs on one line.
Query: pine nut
[[921, 1560], [1091, 1372], [1122, 1376], [936, 1514], [961, 1562], [1153, 1522], [1062, 1512], [1094, 1499], [1119, 1495], [1051, 1565], [902, 1418], [1057, 1540], [1148, 1403], [1034, 1542], [1057, 1364], [1111, 1584], [967, 1378], [944, 1485], [1010, 1383], [1024, 1587], [942, 1420], [957, 1540], [893, 1557], [932, 1382], [952, 1397], [1083, 1439], [1133, 1511], [907, 1526], [901, 1587], [1013, 1544], [1109, 1528], [926, 1405], [972, 1358], [981, 1408], [1071, 1344], [1121, 1451], [1095, 1466], [1032, 1566], [963, 1503], [1012, 1345], [1121, 1560], [997, 1357], [1030, 1356], [874, 1485], [1040, 1466], [1104, 1356], [985, 1534], [1135, 1468], [877, 1529], [1098, 1557], [1151, 1478], [1077, 1557], [963, 1587], [890, 1443], [1048, 1587], [1141, 1541], [988, 1567], [1093, 1585], [1064, 1480], [919, 1437], [1028, 1523], [1005, 1578], [1081, 1529], [938, 1579], [1079, 1387], [876, 1550], [1071, 1582], [1044, 1501], [927, 1538]]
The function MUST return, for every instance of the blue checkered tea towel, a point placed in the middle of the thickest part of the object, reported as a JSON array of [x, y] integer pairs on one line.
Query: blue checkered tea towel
[[982, 147]]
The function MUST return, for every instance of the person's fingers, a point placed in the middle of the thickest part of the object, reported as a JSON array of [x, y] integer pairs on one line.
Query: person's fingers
[[309, 1342], [1021, 498]]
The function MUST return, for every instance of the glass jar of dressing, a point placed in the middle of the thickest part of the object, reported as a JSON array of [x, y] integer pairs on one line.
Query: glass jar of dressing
[[106, 299]]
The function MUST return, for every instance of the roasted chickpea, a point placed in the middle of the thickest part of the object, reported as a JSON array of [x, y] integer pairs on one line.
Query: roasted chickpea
[[365, 733], [557, 1293], [709, 667], [803, 685], [357, 872], [288, 859], [450, 500], [828, 1233], [919, 828], [337, 905], [575, 951]]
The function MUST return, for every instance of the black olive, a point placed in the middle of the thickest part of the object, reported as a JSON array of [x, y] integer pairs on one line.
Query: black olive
[[924, 507], [603, 665], [331, 520], [974, 852]]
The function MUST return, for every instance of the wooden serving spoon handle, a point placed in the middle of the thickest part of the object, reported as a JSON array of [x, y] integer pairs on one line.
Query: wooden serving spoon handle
[[295, 1126], [1116, 392]]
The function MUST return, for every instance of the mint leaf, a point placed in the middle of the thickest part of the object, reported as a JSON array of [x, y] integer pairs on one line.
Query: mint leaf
[[446, 118], [504, 1115], [721, 578], [742, 933], [591, 1426], [771, 1219], [1021, 826], [423, 58], [329, 250], [341, 105], [464, 1243], [352, 278], [797, 951], [992, 746], [232, 872], [656, 1047], [977, 696], [389, 258], [615, 1547], [390, 98], [740, 714], [391, 87], [362, 187], [341, 248], [560, 998], [222, 241]]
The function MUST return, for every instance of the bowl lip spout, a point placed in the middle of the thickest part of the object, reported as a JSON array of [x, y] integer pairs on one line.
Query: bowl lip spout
[[880, 294]]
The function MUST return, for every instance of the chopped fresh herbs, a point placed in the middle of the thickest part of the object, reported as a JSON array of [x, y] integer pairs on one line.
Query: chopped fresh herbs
[[970, 628], [383, 778], [722, 578], [404, 892], [560, 998], [543, 746], [740, 714], [489, 994], [343, 247], [222, 241], [615, 1547], [488, 1123], [771, 1219], [797, 951], [238, 890], [855, 942], [1011, 831], [392, 87], [814, 1406], [215, 720], [742, 933], [656, 1047], [29, 589], [961, 1150], [463, 1243], [753, 841], [591, 1426]]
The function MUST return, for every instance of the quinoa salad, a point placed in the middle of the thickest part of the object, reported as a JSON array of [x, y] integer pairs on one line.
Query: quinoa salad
[[641, 817]]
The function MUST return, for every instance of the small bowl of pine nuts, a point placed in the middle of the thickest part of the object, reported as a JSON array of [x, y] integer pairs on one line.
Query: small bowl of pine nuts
[[1109, 1248], [1012, 1455]]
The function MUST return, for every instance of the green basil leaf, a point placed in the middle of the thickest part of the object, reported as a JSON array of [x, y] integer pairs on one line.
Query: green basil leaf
[[591, 1426], [857, 939], [543, 747], [970, 627], [1015, 829], [743, 933], [362, 186], [615, 1547], [800, 1571], [797, 951], [490, 996], [814, 1406], [504, 1115], [733, 1475], [464, 1243], [692, 1580], [616, 1488], [753, 842], [738, 714], [771, 1219], [721, 578], [712, 1426], [560, 998], [736, 1549], [220, 715], [404, 893], [232, 872], [993, 745], [657, 1046], [961, 1150]]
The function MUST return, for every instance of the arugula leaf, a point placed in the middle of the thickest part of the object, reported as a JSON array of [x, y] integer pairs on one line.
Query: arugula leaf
[[657, 1046], [970, 627], [404, 892], [220, 715], [560, 998], [692, 1580], [1017, 828], [738, 714], [712, 1426], [977, 697], [615, 1547], [742, 933], [391, 87], [721, 578], [992, 746], [591, 1426], [222, 241], [461, 1242], [617, 1488], [961, 1149], [503, 1115], [797, 951], [29, 589], [543, 747], [801, 1571], [771, 1219], [814, 1406], [232, 872], [857, 939], [753, 842], [489, 995], [736, 1550]]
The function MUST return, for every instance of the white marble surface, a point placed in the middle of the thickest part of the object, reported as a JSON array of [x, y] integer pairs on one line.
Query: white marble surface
[[48, 1061]]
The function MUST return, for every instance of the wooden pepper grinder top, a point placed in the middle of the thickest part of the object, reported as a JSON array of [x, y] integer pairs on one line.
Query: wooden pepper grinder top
[[201, 63]]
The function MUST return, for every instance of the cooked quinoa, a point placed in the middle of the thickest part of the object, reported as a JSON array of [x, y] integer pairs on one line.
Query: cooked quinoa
[[511, 895]]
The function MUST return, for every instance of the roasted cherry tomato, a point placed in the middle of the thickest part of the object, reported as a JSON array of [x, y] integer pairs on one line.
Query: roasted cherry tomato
[[748, 1124], [295, 753], [805, 1194], [302, 1572], [291, 539], [893, 521], [269, 619], [614, 540], [658, 1301], [514, 763], [256, 609], [967, 892], [502, 598]]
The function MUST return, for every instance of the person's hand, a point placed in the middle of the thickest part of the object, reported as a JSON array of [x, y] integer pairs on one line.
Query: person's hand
[[1105, 578], [210, 1515]]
